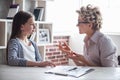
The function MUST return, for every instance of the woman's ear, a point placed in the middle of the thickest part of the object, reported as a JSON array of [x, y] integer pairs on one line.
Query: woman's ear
[[90, 25], [22, 27]]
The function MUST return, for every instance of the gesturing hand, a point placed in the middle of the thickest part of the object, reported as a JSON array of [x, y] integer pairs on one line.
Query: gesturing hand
[[64, 47], [70, 54]]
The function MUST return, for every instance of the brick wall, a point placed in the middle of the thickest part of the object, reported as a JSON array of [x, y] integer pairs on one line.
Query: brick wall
[[54, 54]]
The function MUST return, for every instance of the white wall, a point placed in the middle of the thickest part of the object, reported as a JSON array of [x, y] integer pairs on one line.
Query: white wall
[[116, 39], [64, 17]]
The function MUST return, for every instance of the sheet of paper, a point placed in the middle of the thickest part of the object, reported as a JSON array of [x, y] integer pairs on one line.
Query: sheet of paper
[[74, 71]]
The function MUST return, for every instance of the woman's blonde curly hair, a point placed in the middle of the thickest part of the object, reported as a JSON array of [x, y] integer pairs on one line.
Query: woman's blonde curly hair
[[91, 14]]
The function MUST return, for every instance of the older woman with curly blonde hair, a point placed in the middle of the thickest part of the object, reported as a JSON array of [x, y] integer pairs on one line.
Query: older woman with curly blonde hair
[[99, 49]]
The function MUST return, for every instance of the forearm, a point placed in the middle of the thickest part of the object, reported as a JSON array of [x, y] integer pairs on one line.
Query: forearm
[[40, 63], [31, 63], [35, 63], [16, 61], [80, 60], [85, 62], [78, 63]]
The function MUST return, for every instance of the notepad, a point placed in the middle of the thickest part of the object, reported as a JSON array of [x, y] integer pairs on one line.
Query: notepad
[[74, 71]]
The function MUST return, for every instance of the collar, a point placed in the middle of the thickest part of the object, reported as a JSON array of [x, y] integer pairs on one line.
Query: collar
[[95, 37]]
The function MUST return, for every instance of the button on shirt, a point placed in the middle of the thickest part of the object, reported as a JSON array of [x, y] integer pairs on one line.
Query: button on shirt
[[100, 50]]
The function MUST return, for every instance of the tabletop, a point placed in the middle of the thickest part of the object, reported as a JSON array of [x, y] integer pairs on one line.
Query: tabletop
[[38, 73]]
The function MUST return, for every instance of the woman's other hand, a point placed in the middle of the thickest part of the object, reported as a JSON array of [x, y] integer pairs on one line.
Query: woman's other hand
[[46, 63]]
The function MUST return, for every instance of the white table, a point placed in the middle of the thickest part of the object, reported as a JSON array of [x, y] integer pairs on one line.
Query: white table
[[37, 73]]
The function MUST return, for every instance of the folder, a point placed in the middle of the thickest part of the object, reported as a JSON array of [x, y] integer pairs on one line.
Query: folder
[[73, 71]]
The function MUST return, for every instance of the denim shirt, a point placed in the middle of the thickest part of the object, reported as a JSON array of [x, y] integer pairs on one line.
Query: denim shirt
[[15, 53]]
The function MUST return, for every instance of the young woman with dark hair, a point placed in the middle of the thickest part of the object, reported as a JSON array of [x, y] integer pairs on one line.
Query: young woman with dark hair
[[21, 51]]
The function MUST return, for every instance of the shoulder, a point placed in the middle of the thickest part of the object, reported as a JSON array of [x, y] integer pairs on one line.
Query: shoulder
[[106, 41], [102, 39], [13, 41], [99, 36], [105, 38]]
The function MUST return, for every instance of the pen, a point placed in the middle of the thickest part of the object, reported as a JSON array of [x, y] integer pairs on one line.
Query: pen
[[72, 69], [61, 74]]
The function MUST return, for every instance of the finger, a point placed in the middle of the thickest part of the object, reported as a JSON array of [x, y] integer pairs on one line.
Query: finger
[[52, 64], [63, 45], [59, 43], [66, 51], [66, 46], [74, 54], [60, 46]]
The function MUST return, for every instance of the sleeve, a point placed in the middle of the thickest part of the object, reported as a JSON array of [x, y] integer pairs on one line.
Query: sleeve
[[15, 57], [108, 54]]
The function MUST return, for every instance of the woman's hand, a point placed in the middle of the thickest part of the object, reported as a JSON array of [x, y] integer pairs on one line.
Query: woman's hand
[[46, 63], [70, 54], [64, 47], [74, 56]]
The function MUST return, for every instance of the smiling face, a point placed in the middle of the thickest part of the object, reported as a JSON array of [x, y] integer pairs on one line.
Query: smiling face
[[28, 28]]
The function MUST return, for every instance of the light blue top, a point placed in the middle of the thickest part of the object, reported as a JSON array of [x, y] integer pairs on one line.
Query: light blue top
[[15, 53], [100, 50]]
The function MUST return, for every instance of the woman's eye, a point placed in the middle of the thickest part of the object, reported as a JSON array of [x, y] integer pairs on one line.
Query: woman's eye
[[32, 24]]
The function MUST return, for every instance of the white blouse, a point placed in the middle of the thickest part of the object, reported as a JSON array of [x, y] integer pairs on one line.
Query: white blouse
[[28, 51]]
